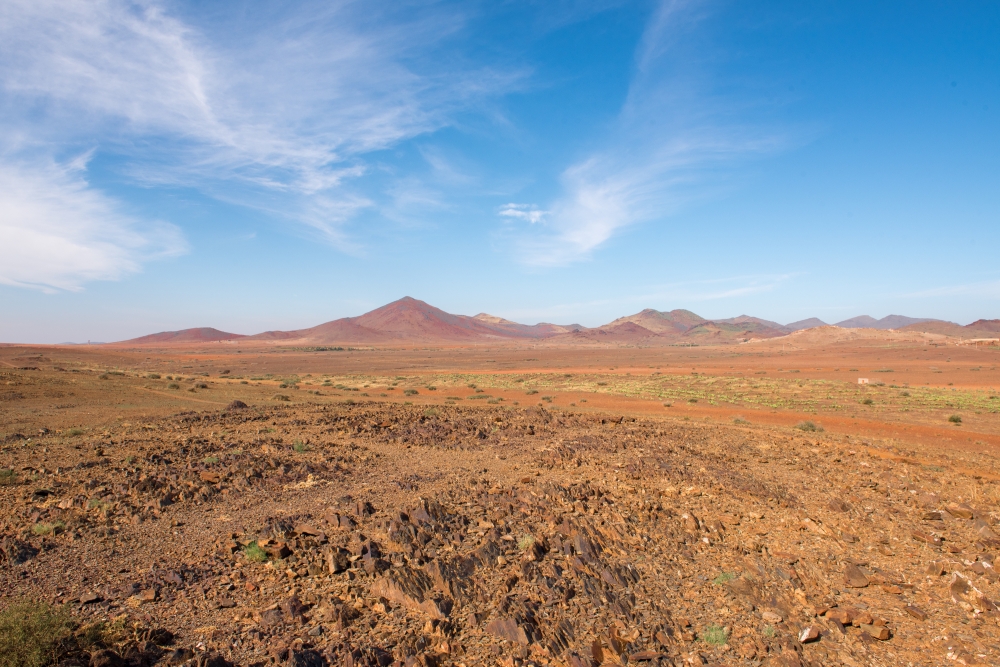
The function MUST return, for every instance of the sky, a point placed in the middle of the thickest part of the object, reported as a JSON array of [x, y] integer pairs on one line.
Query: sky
[[253, 166]]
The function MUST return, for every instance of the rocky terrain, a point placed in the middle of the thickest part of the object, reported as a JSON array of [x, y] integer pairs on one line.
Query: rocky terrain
[[367, 533]]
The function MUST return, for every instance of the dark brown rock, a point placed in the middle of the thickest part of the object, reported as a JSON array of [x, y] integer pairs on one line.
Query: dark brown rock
[[854, 577], [106, 658]]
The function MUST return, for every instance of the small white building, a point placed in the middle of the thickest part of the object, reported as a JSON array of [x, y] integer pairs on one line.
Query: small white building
[[862, 380]]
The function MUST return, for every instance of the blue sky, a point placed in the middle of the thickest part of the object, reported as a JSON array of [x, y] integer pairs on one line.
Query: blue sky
[[253, 166]]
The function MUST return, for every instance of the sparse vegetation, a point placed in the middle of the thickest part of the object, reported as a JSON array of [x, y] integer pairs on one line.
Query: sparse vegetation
[[254, 553], [282, 397], [809, 427], [431, 412], [715, 635], [867, 401], [73, 432], [210, 460], [173, 385], [300, 446], [153, 376], [769, 631], [8, 477], [410, 392], [525, 542], [31, 633], [955, 419], [42, 529], [740, 421], [723, 578]]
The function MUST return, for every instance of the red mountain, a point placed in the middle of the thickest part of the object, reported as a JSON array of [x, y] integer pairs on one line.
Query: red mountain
[[198, 335], [989, 326]]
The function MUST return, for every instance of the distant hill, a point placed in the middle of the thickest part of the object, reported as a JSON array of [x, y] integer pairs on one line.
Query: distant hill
[[985, 326], [198, 335], [887, 322], [810, 323], [410, 319], [673, 322]]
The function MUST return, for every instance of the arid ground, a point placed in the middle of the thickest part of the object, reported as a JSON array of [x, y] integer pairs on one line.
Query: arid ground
[[523, 504]]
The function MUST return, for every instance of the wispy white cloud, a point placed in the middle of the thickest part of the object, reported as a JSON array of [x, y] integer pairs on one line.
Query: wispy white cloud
[[276, 109], [527, 212], [671, 144], [57, 233]]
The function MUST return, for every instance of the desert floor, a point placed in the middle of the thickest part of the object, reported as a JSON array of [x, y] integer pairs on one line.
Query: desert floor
[[739, 505]]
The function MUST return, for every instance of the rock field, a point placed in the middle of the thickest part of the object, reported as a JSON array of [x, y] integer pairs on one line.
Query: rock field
[[384, 534]]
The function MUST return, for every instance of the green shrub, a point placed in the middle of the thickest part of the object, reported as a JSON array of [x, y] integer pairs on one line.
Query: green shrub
[[531, 392], [210, 460], [714, 635], [431, 412], [723, 578], [809, 427], [173, 385], [410, 392], [8, 477], [41, 529], [300, 446], [254, 552], [31, 632], [97, 503], [73, 432], [281, 397], [153, 376], [740, 421], [525, 542], [867, 401], [955, 419]]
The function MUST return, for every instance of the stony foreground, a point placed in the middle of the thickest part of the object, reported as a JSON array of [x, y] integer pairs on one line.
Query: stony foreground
[[376, 534]]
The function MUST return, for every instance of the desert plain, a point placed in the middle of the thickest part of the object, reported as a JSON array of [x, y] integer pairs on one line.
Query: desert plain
[[511, 503]]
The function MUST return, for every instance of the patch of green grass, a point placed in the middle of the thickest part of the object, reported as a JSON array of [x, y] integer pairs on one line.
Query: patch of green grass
[[254, 553], [723, 578], [769, 631], [41, 529], [8, 477], [431, 412], [300, 446], [97, 503], [715, 635], [31, 633], [210, 460], [809, 427], [955, 419], [525, 542]]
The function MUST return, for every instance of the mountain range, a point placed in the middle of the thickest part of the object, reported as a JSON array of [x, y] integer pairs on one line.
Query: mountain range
[[410, 319]]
